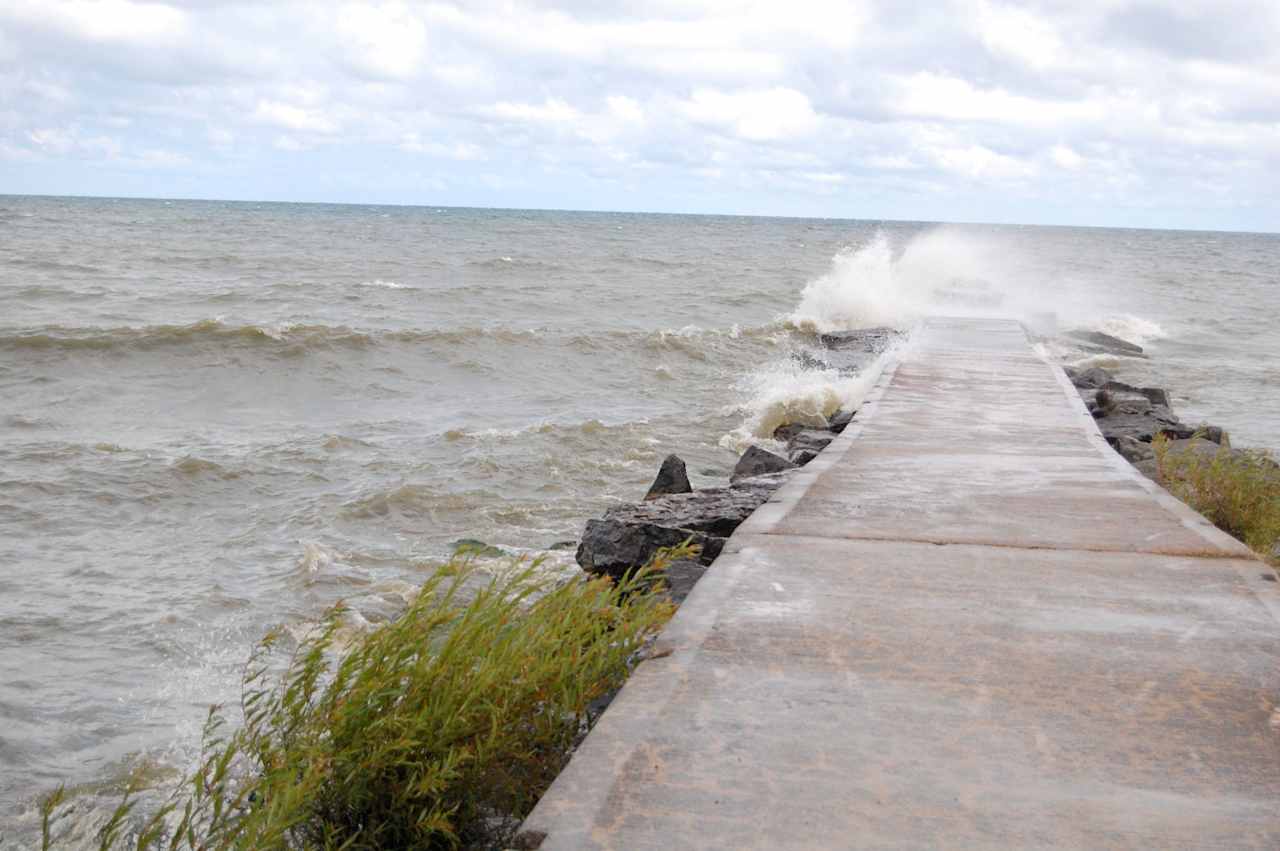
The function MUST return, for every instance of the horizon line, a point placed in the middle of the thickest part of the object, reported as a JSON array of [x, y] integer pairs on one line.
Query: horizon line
[[424, 206]]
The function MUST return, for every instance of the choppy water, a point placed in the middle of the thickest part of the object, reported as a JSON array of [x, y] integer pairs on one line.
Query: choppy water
[[218, 417]]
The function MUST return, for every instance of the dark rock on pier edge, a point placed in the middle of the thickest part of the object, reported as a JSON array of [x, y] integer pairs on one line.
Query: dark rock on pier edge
[[672, 478], [629, 535], [1105, 343], [1130, 417], [758, 462]]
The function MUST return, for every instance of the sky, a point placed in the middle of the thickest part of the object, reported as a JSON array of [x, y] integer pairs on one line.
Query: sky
[[1109, 113]]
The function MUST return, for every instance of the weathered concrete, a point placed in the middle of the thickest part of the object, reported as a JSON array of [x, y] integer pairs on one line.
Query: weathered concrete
[[967, 623]]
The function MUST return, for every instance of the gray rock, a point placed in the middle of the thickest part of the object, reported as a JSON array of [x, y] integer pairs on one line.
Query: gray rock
[[1132, 450], [1148, 468], [628, 535], [802, 456], [618, 544], [1088, 379], [1106, 342], [1216, 434], [787, 431], [808, 444], [840, 421], [563, 545], [1206, 449], [672, 478], [756, 462], [1140, 420], [681, 576], [869, 340]]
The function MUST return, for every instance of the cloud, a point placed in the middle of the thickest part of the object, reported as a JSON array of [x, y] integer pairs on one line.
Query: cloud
[[823, 107], [102, 20], [384, 41], [763, 115], [291, 117]]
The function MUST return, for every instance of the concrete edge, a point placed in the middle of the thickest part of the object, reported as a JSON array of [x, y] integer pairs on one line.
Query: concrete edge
[[1243, 560]]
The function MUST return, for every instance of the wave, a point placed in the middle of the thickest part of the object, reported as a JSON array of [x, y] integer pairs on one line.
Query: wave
[[297, 338], [61, 338], [1134, 329], [792, 392]]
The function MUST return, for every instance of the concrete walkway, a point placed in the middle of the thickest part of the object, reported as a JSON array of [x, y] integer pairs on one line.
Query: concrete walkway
[[967, 624]]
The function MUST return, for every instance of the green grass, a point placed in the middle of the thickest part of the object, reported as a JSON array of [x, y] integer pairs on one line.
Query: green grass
[[439, 729], [1239, 492]]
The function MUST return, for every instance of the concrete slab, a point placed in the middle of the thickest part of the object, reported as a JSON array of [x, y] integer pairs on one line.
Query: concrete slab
[[923, 647]]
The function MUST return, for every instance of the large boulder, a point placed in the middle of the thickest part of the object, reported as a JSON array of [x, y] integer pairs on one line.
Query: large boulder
[[1133, 450], [1088, 379], [1155, 395], [681, 576], [672, 478], [840, 421], [1139, 419], [804, 446], [628, 535], [1105, 343], [757, 462]]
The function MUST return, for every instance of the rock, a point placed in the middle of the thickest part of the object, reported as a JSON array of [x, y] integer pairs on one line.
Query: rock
[[1088, 379], [840, 421], [805, 446], [785, 432], [1148, 468], [1106, 342], [802, 456], [1157, 395], [1140, 420], [1206, 449], [1154, 395], [681, 576], [1132, 450], [563, 545], [618, 544], [1217, 435], [756, 462], [473, 547], [629, 535], [672, 478], [1103, 403], [869, 340]]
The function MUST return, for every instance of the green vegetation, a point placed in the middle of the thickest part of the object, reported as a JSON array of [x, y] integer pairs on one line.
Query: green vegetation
[[1238, 491], [439, 729]]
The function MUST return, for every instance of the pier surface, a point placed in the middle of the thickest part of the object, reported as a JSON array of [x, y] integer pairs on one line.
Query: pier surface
[[967, 624]]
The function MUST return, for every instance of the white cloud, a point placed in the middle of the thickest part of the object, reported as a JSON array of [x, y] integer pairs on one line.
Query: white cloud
[[977, 162], [550, 111], [1066, 158], [102, 20], [763, 115], [386, 40], [296, 118], [929, 95]]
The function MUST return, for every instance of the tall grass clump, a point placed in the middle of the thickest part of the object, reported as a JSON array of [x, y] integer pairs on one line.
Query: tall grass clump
[[439, 729], [1238, 491]]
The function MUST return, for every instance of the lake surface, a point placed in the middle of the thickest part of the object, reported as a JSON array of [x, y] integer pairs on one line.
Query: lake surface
[[216, 418]]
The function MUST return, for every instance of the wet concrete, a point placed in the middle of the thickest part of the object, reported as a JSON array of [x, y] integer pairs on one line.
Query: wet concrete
[[968, 624]]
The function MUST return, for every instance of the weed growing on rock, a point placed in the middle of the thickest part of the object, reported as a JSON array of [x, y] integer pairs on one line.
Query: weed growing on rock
[[1237, 490]]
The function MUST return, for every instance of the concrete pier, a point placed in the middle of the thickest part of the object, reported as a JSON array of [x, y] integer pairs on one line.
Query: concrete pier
[[967, 624]]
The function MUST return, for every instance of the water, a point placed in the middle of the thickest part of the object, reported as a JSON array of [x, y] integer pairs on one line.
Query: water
[[219, 417]]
